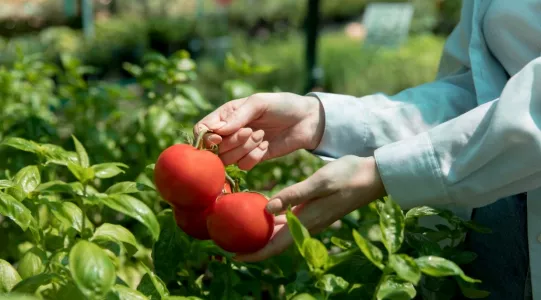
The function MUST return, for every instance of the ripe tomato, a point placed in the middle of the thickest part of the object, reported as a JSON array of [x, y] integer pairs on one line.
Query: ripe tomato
[[239, 223], [188, 177], [193, 222]]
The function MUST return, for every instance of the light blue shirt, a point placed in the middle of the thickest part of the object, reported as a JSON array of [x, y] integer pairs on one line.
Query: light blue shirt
[[470, 137]]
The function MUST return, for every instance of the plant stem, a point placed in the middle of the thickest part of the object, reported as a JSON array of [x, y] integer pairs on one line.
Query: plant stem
[[232, 182], [199, 140], [83, 208]]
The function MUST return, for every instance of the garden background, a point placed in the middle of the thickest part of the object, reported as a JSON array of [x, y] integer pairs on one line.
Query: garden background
[[87, 110]]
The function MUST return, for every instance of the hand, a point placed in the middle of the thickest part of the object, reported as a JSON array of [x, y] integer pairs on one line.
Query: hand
[[333, 191], [263, 126]]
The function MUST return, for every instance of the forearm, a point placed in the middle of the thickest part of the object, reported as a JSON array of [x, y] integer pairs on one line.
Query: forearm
[[485, 154], [358, 126]]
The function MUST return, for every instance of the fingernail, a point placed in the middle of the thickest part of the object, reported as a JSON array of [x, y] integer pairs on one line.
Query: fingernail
[[218, 125], [274, 205]]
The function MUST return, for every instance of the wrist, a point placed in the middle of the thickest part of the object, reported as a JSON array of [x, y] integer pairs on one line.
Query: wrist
[[373, 179], [315, 122]]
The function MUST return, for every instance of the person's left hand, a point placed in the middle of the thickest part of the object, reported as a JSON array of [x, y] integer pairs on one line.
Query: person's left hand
[[332, 192]]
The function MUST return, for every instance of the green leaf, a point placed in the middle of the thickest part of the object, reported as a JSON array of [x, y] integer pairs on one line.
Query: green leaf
[[395, 288], [343, 244], [18, 296], [392, 226], [152, 286], [117, 234], [68, 213], [58, 155], [4, 184], [150, 167], [193, 94], [297, 230], [81, 153], [55, 186], [371, 252], [303, 296], [108, 170], [92, 269], [15, 210], [405, 267], [31, 284], [27, 179], [422, 244], [32, 263], [136, 209], [470, 291], [21, 144], [8, 276], [263, 69], [128, 187], [477, 227], [332, 284], [421, 211], [314, 252], [122, 292], [440, 267], [82, 174], [463, 257], [171, 244], [69, 291]]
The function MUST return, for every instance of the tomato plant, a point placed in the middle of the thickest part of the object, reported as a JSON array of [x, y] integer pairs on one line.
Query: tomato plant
[[81, 216]]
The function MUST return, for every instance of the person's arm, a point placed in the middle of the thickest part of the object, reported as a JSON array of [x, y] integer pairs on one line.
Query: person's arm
[[490, 152], [358, 126]]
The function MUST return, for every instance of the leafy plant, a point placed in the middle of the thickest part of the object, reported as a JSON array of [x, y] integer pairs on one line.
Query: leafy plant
[[80, 217]]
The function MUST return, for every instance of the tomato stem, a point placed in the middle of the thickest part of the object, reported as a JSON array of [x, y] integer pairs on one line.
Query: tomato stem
[[232, 182], [237, 186], [199, 140]]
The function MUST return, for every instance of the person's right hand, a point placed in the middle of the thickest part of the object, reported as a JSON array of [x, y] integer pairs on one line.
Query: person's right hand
[[263, 126]]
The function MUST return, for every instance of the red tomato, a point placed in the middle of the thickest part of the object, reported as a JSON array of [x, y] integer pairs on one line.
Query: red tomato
[[239, 223], [192, 222], [188, 177]]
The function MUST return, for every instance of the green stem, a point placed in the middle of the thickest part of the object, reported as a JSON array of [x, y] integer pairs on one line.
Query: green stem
[[83, 208], [232, 183], [199, 140], [237, 186]]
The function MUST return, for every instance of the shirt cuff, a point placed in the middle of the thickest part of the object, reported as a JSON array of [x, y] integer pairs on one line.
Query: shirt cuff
[[341, 136], [411, 174]]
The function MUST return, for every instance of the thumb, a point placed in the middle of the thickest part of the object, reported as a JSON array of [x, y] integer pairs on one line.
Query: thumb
[[296, 194], [234, 120]]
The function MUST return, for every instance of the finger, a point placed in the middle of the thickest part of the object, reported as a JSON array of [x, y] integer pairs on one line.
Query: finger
[[233, 120], [234, 155], [216, 119], [280, 220], [254, 157], [306, 190], [314, 216], [212, 139], [278, 243], [235, 140]]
